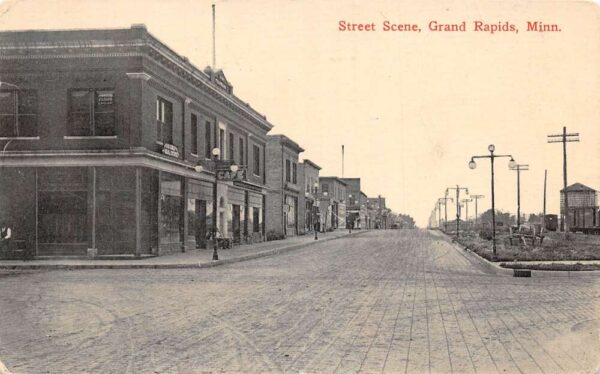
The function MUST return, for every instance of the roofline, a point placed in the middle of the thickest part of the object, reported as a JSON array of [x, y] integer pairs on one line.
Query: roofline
[[334, 178], [182, 61], [307, 161], [287, 141]]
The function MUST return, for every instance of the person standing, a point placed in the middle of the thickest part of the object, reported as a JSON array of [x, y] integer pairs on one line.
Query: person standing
[[5, 238]]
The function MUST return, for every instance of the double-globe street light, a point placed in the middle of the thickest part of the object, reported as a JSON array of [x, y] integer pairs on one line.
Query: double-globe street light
[[224, 170], [511, 165]]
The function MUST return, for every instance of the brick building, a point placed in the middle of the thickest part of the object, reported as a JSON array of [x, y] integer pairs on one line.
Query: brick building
[[309, 209], [377, 213], [284, 186], [102, 131], [356, 207], [335, 188]]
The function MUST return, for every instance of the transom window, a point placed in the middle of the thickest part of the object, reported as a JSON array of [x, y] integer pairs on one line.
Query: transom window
[[164, 121], [92, 112], [18, 113]]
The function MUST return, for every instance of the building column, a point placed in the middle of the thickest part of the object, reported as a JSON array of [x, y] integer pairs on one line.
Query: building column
[[138, 211], [185, 223], [93, 207]]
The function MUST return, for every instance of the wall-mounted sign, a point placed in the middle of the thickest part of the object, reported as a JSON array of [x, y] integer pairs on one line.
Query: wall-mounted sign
[[225, 174], [170, 150]]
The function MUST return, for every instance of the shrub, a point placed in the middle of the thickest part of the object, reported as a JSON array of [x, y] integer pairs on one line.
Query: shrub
[[273, 235], [486, 233]]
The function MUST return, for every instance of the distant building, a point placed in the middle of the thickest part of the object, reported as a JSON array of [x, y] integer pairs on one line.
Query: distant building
[[378, 213], [309, 207], [284, 186], [583, 206], [335, 188]]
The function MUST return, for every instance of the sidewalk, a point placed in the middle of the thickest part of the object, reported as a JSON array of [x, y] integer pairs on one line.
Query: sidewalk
[[197, 258]]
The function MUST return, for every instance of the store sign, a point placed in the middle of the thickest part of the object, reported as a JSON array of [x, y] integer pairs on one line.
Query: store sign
[[225, 174], [170, 150]]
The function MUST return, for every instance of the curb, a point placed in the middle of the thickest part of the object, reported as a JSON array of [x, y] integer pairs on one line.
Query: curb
[[497, 269], [197, 265]]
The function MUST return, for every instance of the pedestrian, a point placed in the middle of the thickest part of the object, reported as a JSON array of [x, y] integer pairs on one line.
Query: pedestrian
[[5, 238]]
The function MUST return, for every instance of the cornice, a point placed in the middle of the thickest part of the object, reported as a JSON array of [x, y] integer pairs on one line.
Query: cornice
[[147, 47]]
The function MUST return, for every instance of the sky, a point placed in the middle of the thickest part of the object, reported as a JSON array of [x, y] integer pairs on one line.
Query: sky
[[411, 108]]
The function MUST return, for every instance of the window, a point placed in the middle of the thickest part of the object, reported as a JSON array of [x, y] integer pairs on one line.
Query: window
[[241, 150], [325, 187], [255, 219], [222, 143], [207, 138], [256, 155], [194, 131], [164, 121], [294, 173], [287, 171], [231, 145], [91, 112], [18, 113]]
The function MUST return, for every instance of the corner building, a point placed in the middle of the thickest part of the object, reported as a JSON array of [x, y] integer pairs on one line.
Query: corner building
[[102, 131]]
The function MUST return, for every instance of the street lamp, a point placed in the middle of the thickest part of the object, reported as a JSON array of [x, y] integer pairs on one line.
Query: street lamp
[[473, 165], [348, 220], [218, 166], [315, 207], [518, 168]]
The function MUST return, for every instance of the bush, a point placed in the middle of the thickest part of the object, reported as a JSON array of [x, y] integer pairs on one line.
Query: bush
[[273, 235], [485, 233]]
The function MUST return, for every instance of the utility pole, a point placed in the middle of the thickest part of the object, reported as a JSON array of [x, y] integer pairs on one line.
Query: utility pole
[[518, 168], [457, 188], [564, 138], [476, 197], [544, 216], [439, 206], [467, 201], [446, 198]]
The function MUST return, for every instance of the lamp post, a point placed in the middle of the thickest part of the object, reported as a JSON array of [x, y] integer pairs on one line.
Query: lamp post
[[457, 188], [315, 207], [348, 222], [218, 166], [518, 168], [473, 165]]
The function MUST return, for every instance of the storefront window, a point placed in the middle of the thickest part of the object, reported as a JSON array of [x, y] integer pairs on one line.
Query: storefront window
[[171, 208], [291, 214], [62, 206], [256, 219], [197, 225]]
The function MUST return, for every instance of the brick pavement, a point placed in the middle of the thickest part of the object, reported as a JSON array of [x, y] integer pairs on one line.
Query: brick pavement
[[394, 301]]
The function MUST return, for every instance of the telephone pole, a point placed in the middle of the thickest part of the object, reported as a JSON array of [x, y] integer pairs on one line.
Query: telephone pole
[[467, 201], [457, 188], [446, 198], [564, 138], [519, 168], [476, 197]]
